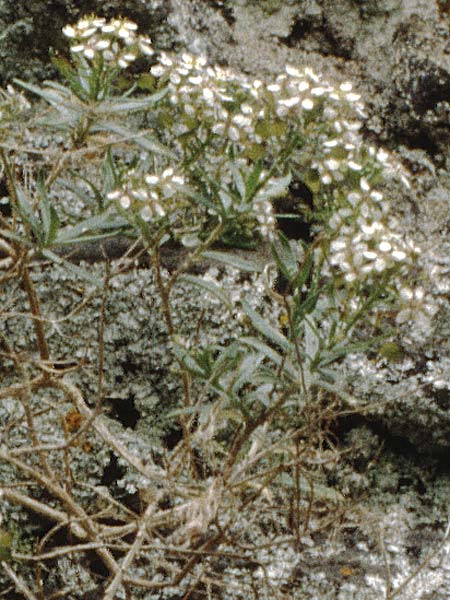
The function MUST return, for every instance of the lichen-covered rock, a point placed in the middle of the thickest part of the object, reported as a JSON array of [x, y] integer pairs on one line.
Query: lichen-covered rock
[[396, 53]]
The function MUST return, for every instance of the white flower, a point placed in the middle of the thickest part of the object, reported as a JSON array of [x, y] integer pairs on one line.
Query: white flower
[[364, 184], [157, 70], [109, 28], [125, 201], [123, 33], [385, 246], [332, 164], [292, 71], [102, 44], [208, 95], [69, 31], [303, 86], [318, 91], [89, 53], [398, 255], [289, 102], [146, 213], [377, 196], [195, 80], [88, 32]]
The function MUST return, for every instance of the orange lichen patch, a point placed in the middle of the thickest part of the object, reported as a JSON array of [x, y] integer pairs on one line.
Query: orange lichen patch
[[73, 420]]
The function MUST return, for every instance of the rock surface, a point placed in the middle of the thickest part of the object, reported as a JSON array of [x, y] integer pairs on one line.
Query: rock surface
[[397, 54]]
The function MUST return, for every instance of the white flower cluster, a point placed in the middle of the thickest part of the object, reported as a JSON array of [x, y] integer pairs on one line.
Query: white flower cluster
[[415, 307], [147, 194], [225, 108], [371, 250], [114, 42], [198, 90]]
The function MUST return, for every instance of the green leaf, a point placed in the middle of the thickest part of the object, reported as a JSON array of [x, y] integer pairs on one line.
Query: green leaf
[[208, 286], [226, 200], [271, 354], [267, 330], [285, 259], [303, 274], [63, 66], [146, 81], [253, 181], [345, 348], [276, 188], [188, 361], [16, 237], [312, 338], [392, 352], [228, 258], [144, 141], [59, 97], [28, 216], [109, 172], [50, 219], [131, 104], [246, 371], [78, 271], [238, 181], [78, 232]]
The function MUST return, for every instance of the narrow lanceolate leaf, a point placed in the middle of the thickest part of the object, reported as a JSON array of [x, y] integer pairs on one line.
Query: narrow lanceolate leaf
[[27, 213], [144, 141], [78, 271], [342, 350], [188, 361], [238, 180], [253, 180], [50, 219], [78, 232], [228, 258], [272, 354], [130, 104], [210, 287], [267, 330], [247, 371], [10, 235], [50, 96], [284, 257]]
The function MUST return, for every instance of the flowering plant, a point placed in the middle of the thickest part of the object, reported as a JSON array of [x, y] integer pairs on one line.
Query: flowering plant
[[195, 165]]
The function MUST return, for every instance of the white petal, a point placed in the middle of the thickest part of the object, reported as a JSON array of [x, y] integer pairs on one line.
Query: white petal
[[307, 104]]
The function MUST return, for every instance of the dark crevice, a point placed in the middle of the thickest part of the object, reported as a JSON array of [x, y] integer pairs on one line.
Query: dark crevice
[[327, 41], [299, 200], [393, 443], [299, 32], [124, 410], [224, 8]]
